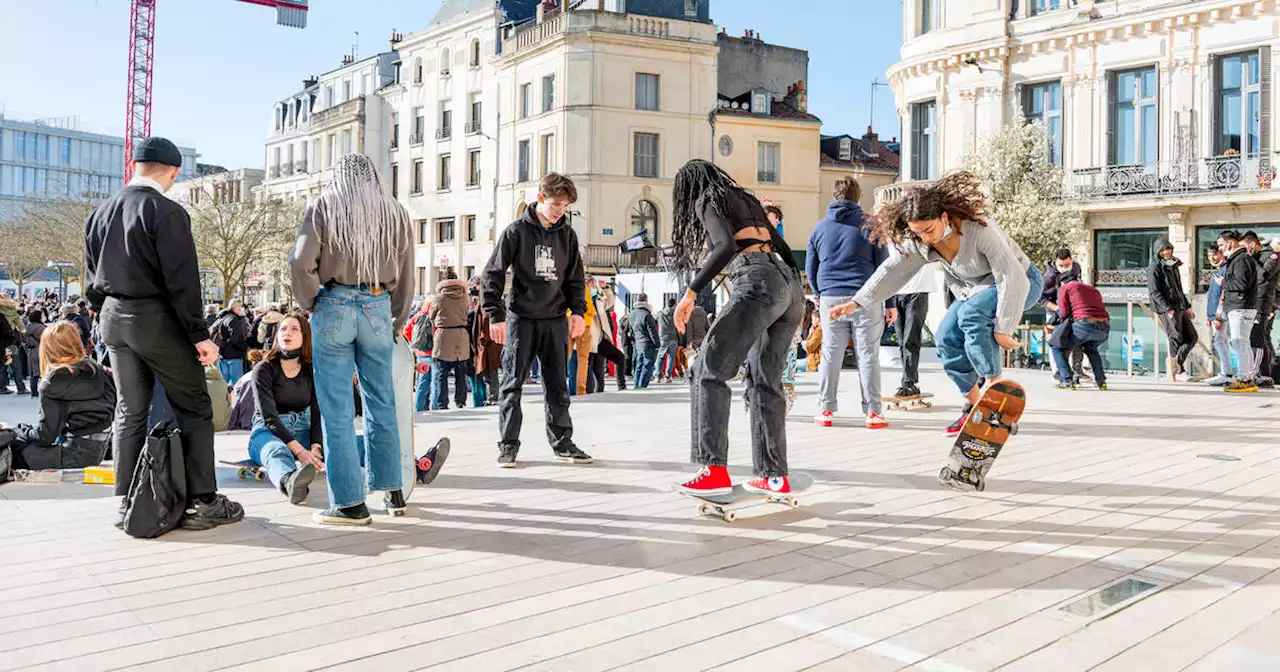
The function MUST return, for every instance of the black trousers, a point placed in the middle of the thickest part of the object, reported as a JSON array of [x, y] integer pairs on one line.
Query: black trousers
[[146, 344], [912, 311], [1260, 340], [548, 341], [1182, 334], [605, 354]]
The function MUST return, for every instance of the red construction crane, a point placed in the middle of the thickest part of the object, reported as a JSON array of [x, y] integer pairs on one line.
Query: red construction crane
[[142, 49]]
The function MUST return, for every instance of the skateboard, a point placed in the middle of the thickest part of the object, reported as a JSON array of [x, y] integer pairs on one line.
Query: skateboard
[[986, 430], [429, 465], [725, 505], [247, 469], [402, 364], [908, 403]]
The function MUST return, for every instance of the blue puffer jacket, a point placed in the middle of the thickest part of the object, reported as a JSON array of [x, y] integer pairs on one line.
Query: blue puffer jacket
[[841, 256]]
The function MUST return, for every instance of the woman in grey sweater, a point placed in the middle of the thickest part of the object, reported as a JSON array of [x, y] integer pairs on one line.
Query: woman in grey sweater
[[993, 281]]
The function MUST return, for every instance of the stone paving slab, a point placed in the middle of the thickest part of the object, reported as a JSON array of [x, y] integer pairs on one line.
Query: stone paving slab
[[556, 568]]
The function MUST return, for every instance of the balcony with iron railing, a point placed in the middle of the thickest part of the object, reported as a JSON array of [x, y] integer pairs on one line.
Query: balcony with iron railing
[[579, 19], [1230, 173], [300, 167], [274, 172], [286, 169], [612, 257], [767, 176], [415, 138], [444, 133], [472, 127]]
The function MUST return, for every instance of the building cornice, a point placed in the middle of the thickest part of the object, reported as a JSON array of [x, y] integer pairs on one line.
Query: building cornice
[[991, 53]]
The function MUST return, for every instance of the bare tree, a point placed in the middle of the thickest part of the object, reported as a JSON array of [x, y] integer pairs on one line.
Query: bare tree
[[21, 251], [234, 237], [58, 225]]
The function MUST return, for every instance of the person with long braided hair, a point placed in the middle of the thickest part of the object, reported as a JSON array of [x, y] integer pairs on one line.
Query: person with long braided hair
[[993, 281], [352, 267], [719, 220]]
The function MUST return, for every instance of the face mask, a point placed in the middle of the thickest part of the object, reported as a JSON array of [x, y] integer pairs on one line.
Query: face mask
[[946, 231], [1170, 262], [290, 354]]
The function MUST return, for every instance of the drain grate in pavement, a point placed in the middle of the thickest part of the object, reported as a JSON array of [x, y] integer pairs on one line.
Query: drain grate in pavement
[[1110, 598], [1219, 457]]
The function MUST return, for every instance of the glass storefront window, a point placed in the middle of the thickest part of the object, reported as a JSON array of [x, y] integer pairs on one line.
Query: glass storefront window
[[1114, 355], [1123, 255], [1208, 235]]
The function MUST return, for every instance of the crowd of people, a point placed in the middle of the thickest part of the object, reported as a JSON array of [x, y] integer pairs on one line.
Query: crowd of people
[[533, 314]]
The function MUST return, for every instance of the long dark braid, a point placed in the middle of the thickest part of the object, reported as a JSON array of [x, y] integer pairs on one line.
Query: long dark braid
[[699, 184]]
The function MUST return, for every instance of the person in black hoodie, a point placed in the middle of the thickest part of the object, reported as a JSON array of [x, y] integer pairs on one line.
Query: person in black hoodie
[[1268, 282], [541, 250], [77, 403], [31, 340], [1239, 307], [231, 332], [1164, 284]]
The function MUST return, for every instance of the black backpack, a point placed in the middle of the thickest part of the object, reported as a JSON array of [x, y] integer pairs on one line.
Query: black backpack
[[423, 333], [6, 453], [157, 496]]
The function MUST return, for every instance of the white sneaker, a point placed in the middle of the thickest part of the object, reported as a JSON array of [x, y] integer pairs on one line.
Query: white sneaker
[[1218, 380], [823, 419]]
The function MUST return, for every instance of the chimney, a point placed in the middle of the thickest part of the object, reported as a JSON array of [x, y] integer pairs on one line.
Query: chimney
[[871, 143], [348, 59], [310, 82], [797, 97], [396, 38]]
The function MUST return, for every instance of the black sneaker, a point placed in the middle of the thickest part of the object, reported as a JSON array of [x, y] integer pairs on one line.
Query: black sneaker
[[206, 516], [431, 461], [394, 502], [352, 515], [1266, 382], [907, 392], [507, 456], [573, 454], [1102, 386], [297, 484]]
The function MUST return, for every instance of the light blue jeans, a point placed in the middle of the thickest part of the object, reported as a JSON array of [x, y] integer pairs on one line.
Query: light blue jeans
[[966, 338], [422, 392], [1221, 349], [865, 327], [231, 370], [666, 360], [273, 454], [352, 333], [1239, 328]]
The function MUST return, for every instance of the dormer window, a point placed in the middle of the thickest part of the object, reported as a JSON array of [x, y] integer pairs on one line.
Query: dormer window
[[760, 103], [691, 9], [846, 149]]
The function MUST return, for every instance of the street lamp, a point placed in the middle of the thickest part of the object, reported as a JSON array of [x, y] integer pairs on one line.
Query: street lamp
[[62, 281]]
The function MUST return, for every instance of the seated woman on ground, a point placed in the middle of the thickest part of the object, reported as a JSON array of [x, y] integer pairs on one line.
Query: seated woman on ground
[[77, 403], [286, 438]]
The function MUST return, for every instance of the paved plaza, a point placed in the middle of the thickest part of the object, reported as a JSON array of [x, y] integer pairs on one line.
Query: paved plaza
[[559, 568]]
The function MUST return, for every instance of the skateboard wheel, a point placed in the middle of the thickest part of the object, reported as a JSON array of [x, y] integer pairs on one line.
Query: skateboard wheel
[[260, 476], [1013, 429], [704, 510], [241, 472], [980, 485], [792, 502], [424, 463], [730, 516]]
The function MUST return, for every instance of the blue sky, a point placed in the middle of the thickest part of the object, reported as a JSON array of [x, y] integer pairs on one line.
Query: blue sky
[[220, 64]]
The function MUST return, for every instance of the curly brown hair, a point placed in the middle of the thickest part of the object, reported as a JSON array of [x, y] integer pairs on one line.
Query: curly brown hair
[[958, 194]]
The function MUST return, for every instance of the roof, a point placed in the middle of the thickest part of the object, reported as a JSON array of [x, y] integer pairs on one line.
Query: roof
[[515, 10], [778, 109], [884, 158]]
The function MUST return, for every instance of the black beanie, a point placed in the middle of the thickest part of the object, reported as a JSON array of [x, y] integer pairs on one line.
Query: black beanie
[[157, 150]]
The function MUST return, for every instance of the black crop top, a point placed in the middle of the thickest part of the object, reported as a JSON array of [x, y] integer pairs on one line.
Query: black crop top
[[721, 245]]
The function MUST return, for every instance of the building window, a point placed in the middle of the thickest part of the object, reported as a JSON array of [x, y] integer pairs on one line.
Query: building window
[[548, 164], [548, 93], [64, 151], [473, 168], [1134, 117], [1042, 6], [444, 62], [333, 150], [647, 91], [395, 181], [1238, 113], [303, 161], [1124, 254], [924, 141], [445, 179], [315, 153], [644, 217], [346, 142], [419, 125], [346, 90], [328, 96], [769, 163], [473, 125], [395, 130], [444, 230], [424, 233], [691, 9], [1042, 103], [526, 99], [646, 155], [469, 230], [475, 53], [417, 71], [1208, 235], [446, 123], [930, 15], [415, 185], [522, 162]]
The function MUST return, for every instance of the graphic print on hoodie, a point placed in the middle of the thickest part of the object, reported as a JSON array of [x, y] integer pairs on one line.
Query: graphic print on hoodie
[[546, 271]]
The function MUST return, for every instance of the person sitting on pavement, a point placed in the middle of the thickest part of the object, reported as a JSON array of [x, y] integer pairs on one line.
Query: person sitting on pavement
[[1083, 325], [287, 439], [77, 404]]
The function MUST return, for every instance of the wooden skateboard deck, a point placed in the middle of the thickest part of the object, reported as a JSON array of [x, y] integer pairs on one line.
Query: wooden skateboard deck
[[908, 403], [726, 506], [247, 469], [986, 431], [402, 365]]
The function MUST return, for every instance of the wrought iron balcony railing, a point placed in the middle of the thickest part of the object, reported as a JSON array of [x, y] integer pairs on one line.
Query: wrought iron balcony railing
[[1228, 173]]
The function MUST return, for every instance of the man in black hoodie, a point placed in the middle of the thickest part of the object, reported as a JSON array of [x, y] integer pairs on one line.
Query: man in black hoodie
[[1164, 284], [1268, 282], [1239, 307], [547, 279]]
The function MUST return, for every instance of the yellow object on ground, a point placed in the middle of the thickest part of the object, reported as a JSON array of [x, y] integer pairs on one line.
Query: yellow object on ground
[[100, 475]]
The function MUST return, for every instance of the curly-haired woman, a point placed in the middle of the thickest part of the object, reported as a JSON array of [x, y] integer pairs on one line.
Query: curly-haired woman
[[993, 281]]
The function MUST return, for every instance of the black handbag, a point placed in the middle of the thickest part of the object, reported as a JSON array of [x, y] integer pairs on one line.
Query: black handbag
[[157, 496]]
